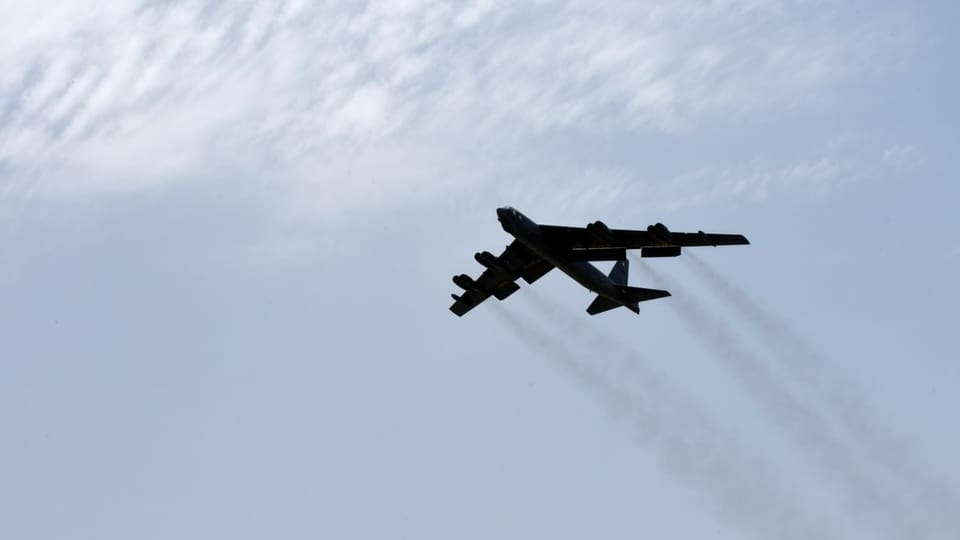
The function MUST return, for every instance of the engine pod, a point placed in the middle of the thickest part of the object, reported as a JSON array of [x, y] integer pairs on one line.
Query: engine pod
[[671, 251]]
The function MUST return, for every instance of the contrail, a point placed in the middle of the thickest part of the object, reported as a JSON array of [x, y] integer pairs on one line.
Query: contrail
[[811, 431], [743, 489], [806, 365]]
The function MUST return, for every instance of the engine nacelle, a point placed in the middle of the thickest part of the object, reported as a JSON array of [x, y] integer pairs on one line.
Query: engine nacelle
[[600, 231], [487, 260], [661, 232], [465, 282], [668, 251], [705, 236]]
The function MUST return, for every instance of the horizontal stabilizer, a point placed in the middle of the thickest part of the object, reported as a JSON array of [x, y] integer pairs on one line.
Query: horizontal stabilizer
[[601, 304], [634, 296], [640, 294]]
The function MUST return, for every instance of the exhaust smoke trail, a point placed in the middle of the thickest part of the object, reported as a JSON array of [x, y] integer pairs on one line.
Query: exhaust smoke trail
[[743, 488], [866, 501], [807, 365]]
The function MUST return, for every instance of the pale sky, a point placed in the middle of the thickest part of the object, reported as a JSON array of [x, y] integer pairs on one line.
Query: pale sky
[[227, 232]]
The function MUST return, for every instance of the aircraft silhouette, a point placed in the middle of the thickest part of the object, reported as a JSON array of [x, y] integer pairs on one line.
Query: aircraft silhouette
[[537, 249]]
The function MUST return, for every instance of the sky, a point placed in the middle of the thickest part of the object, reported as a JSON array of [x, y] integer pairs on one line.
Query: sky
[[227, 231]]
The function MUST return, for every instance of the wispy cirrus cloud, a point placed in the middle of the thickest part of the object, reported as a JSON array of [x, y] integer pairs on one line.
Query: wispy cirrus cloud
[[136, 94], [562, 186]]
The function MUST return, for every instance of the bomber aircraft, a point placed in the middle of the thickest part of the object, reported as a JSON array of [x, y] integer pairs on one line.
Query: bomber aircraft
[[537, 249]]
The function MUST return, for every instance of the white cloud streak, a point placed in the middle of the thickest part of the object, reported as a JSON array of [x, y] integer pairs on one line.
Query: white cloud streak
[[135, 94]]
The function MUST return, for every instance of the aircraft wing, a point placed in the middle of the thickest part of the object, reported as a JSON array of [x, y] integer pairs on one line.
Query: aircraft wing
[[499, 278], [598, 236]]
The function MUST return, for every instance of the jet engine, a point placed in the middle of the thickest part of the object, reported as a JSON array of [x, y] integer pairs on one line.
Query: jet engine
[[661, 233], [487, 260], [600, 231], [465, 282]]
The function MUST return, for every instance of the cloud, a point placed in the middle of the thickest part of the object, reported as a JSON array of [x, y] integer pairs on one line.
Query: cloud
[[134, 94], [567, 186], [901, 156]]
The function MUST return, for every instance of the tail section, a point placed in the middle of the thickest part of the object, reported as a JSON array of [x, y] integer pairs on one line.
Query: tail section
[[601, 304], [640, 294], [632, 295], [619, 272]]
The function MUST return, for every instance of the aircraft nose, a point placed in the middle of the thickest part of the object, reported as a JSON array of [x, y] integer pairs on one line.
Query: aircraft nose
[[502, 212]]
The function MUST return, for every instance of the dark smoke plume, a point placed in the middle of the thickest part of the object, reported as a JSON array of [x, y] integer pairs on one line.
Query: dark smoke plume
[[687, 442], [807, 367], [813, 433]]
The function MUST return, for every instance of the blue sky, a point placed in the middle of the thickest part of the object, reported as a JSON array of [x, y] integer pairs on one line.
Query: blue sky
[[228, 230]]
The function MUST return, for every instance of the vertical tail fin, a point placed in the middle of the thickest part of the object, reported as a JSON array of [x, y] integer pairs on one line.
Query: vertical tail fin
[[620, 271], [630, 297]]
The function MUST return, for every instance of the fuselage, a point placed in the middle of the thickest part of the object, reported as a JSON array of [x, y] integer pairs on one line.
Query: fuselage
[[528, 233]]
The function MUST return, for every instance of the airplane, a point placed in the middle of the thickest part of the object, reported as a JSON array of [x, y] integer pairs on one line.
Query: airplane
[[537, 249]]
